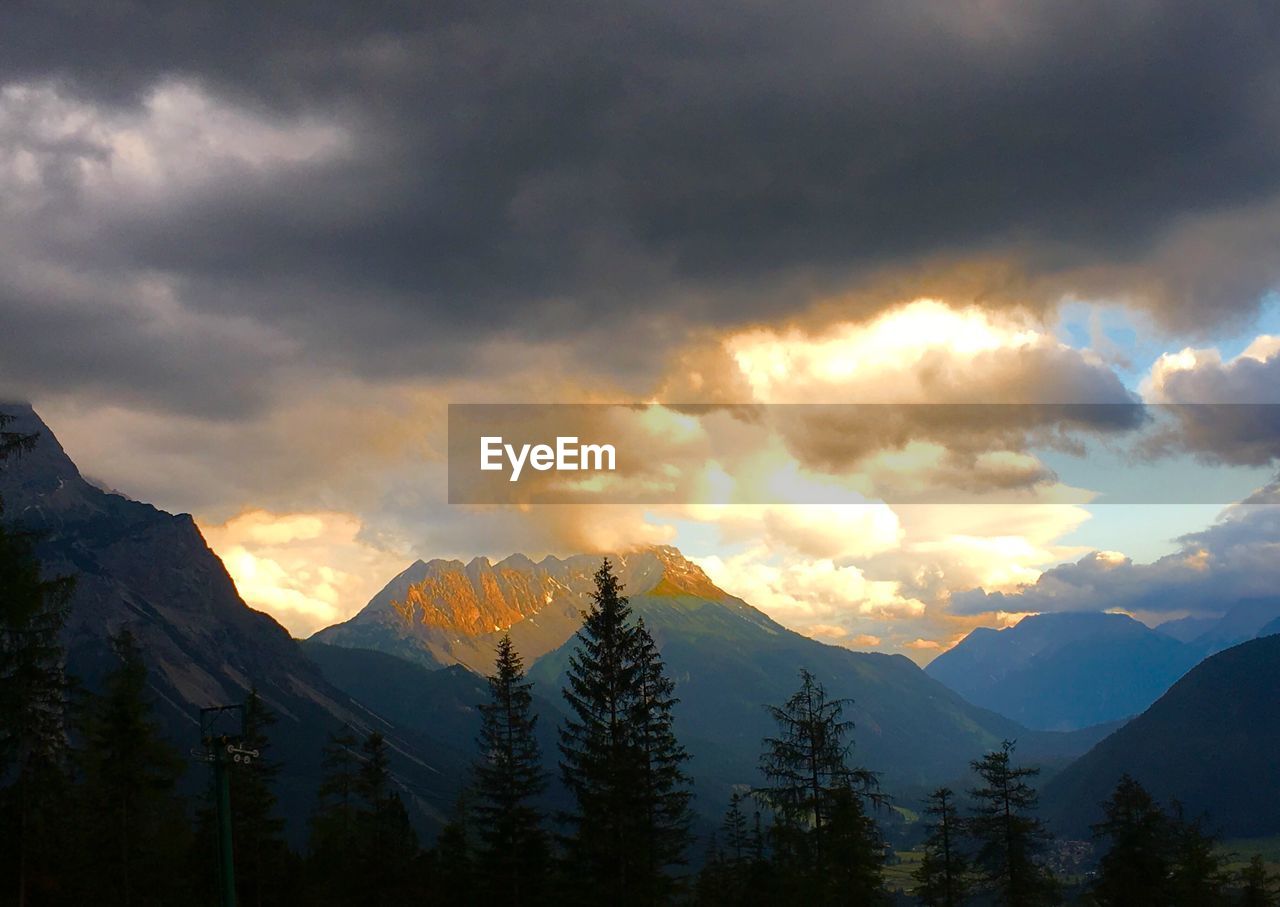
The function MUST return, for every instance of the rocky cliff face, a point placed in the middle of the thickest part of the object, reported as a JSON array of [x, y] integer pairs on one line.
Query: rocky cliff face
[[446, 612], [152, 572]]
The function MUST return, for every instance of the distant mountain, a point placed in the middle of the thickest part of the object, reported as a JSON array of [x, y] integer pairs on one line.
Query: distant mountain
[[1211, 742], [1186, 629], [1270, 629], [1242, 621], [447, 612], [1065, 671], [729, 660], [151, 571]]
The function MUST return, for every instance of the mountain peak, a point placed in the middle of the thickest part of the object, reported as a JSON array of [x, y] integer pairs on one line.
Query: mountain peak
[[443, 611]]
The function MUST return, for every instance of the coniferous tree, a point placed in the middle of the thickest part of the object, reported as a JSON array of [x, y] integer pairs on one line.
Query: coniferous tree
[[620, 760], [1135, 869], [1009, 837], [386, 845], [714, 882], [827, 847], [453, 864], [1198, 875], [33, 705], [662, 793], [263, 860], [135, 830], [736, 832], [727, 870], [509, 778], [331, 845], [1258, 888], [943, 875], [265, 867]]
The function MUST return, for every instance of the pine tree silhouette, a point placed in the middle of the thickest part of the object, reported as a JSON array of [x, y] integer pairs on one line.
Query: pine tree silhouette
[[135, 829], [942, 877], [1135, 869], [509, 778], [619, 757], [1008, 836], [826, 847]]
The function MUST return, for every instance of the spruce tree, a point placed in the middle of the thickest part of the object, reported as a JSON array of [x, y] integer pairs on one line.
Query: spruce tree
[[619, 757], [33, 703], [1198, 875], [134, 827], [453, 864], [1009, 837], [737, 834], [1258, 888], [942, 876], [331, 845], [824, 841], [738, 855], [1135, 869], [508, 780], [662, 793], [386, 845], [263, 860]]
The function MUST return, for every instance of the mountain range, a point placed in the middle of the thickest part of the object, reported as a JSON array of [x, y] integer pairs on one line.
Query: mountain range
[[410, 665], [1069, 670], [729, 660], [1210, 742], [149, 571]]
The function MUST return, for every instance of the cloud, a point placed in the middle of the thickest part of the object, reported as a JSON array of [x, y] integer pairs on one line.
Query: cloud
[[929, 382], [1225, 412], [1237, 557], [309, 570], [385, 192]]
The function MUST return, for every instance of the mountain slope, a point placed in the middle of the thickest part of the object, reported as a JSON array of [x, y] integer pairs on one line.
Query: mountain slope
[[1211, 742], [1065, 671], [1243, 621], [728, 659], [447, 612], [151, 571]]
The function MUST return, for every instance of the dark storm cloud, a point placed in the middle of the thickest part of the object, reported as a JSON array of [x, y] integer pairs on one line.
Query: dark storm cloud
[[542, 170]]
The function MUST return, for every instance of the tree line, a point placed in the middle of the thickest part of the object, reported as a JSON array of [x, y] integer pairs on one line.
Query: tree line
[[90, 809]]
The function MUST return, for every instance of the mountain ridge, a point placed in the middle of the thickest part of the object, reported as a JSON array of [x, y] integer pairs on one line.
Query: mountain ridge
[[141, 568]]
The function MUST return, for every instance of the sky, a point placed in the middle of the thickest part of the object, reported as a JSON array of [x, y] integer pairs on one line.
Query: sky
[[248, 257]]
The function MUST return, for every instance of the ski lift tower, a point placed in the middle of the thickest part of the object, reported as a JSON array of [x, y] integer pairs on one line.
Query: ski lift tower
[[222, 733]]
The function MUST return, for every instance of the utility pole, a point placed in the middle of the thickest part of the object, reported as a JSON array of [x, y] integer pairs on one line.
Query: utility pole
[[222, 732]]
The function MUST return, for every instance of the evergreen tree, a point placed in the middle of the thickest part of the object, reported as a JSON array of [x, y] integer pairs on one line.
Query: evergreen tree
[[943, 875], [620, 759], [1258, 888], [135, 828], [662, 794], [1135, 869], [453, 864], [386, 845], [1008, 836], [263, 860], [509, 778], [827, 846], [331, 846], [727, 872], [1198, 875], [33, 705], [737, 834]]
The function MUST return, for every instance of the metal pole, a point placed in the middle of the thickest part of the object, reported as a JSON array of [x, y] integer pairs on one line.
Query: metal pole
[[226, 862]]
